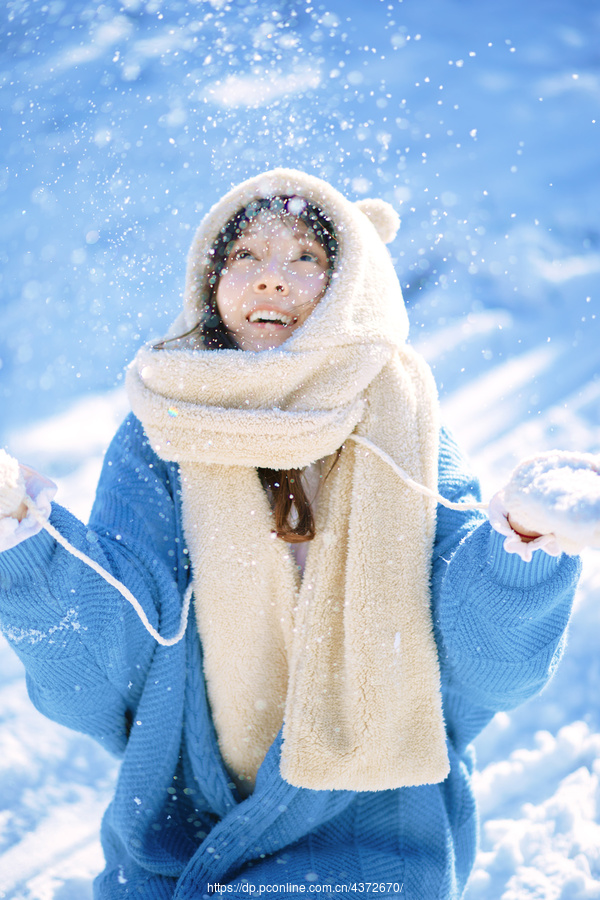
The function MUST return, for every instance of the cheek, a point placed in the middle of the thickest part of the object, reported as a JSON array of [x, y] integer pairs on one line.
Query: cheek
[[228, 296], [313, 286]]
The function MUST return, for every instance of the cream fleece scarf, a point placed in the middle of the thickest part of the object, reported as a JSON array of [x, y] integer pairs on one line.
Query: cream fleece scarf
[[345, 657]]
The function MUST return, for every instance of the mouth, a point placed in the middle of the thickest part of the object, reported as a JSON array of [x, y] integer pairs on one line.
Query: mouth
[[270, 317]]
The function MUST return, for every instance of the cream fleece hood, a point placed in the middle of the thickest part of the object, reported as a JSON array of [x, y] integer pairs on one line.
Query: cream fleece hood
[[363, 301]]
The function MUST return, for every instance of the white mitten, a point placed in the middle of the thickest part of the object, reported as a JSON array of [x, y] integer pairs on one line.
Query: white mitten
[[12, 484], [556, 495], [19, 483]]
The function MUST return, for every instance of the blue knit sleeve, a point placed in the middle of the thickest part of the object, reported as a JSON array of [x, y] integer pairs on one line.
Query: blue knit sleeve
[[85, 650], [500, 622]]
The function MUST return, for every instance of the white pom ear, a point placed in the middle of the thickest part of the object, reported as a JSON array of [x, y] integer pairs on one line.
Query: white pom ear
[[382, 215]]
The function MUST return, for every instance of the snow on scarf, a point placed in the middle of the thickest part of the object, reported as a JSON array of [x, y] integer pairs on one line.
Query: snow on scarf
[[343, 657]]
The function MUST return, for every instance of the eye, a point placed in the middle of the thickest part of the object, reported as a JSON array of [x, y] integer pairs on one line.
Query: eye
[[307, 256], [242, 253]]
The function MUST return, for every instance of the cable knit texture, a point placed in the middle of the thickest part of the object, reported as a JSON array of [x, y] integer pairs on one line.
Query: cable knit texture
[[346, 659], [176, 823]]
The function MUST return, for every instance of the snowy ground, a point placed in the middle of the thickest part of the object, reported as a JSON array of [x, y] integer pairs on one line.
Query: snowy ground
[[122, 122]]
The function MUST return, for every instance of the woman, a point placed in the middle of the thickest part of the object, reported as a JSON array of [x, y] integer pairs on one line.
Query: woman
[[347, 639]]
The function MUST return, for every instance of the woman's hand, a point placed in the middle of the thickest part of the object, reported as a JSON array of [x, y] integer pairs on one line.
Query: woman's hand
[[553, 501], [20, 513], [524, 533]]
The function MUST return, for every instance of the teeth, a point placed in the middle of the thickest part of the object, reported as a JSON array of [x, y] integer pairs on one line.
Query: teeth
[[269, 315]]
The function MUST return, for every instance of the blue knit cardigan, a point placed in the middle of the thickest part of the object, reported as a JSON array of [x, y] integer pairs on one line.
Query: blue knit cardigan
[[176, 826]]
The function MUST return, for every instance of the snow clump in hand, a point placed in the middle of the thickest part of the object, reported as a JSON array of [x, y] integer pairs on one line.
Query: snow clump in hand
[[558, 493], [12, 484]]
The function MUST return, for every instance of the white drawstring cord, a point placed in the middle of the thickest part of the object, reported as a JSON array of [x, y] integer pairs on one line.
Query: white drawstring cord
[[410, 482], [125, 592]]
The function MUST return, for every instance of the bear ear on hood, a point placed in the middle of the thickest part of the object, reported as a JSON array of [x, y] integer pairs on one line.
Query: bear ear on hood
[[382, 216]]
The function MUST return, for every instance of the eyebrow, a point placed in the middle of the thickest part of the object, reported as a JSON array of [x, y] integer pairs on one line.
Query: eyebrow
[[303, 240]]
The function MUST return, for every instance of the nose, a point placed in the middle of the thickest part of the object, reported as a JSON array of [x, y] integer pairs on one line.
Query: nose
[[271, 282]]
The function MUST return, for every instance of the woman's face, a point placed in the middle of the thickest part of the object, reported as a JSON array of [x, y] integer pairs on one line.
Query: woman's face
[[274, 276]]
